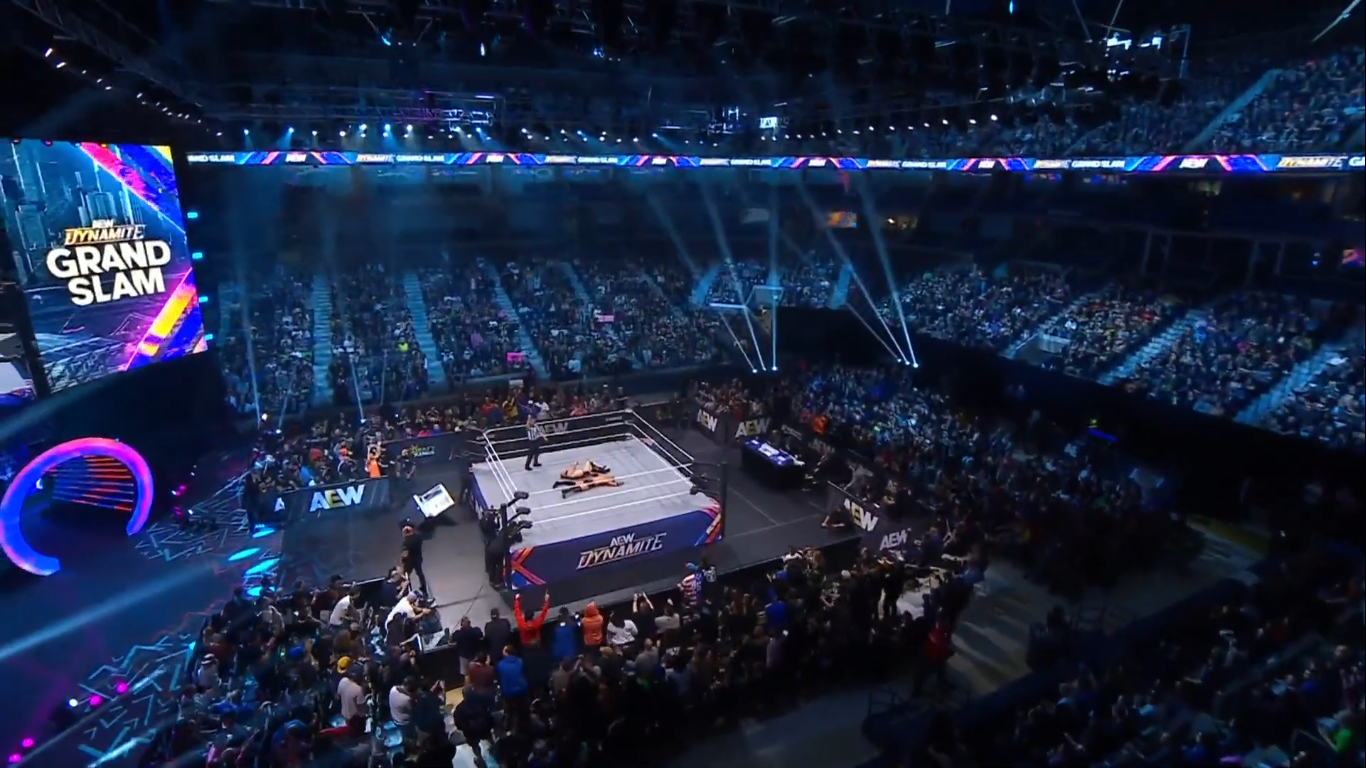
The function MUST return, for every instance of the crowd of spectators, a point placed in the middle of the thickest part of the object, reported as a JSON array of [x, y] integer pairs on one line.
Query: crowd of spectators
[[652, 317], [1111, 324], [375, 354], [735, 281], [1312, 106], [1148, 126], [1250, 682], [1065, 509], [560, 323], [810, 281], [1329, 407], [332, 676], [293, 676], [323, 452], [973, 308], [335, 449], [470, 331], [276, 346], [1221, 363], [1030, 137]]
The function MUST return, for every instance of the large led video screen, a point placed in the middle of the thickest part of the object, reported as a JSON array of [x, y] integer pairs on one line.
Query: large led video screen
[[16, 380], [98, 243]]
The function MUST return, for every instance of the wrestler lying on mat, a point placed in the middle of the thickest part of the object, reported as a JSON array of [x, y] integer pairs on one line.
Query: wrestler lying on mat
[[579, 471], [589, 483]]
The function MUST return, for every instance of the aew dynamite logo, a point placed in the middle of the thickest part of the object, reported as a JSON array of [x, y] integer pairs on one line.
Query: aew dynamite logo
[[620, 548], [106, 262]]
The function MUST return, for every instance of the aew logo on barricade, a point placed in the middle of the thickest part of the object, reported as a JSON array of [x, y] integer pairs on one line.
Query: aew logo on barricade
[[420, 451], [337, 498], [894, 540], [708, 421], [862, 518], [751, 428], [621, 547], [106, 262], [555, 428]]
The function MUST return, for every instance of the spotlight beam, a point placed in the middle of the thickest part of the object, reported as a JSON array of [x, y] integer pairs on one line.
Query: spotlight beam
[[863, 288], [726, 322], [783, 237], [730, 265], [1341, 17], [870, 214], [329, 243], [774, 276], [844, 259], [894, 353], [667, 222], [244, 317]]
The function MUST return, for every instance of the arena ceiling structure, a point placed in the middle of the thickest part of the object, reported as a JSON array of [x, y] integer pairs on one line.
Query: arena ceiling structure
[[524, 69]]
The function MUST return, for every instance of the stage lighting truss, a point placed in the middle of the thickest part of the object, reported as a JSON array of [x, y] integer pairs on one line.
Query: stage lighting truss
[[757, 339], [763, 302]]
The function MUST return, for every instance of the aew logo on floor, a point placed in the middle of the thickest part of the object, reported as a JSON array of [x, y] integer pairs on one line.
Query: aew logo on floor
[[860, 517], [751, 428], [620, 548]]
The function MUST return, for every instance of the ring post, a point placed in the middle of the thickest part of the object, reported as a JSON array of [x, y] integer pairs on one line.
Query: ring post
[[725, 497]]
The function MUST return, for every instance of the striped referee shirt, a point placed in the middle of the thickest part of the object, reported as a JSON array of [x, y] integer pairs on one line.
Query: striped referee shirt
[[534, 432]]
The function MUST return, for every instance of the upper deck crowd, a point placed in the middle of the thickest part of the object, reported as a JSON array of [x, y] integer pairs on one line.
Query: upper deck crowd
[[1284, 363]]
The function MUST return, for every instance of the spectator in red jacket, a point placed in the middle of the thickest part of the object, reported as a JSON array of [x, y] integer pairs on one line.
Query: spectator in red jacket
[[528, 626], [935, 662]]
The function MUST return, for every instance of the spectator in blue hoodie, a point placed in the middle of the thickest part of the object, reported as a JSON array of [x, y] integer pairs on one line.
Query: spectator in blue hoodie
[[775, 613], [565, 644], [512, 683]]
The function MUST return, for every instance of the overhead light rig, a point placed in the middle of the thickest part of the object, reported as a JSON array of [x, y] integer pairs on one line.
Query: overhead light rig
[[306, 104], [73, 26], [865, 64]]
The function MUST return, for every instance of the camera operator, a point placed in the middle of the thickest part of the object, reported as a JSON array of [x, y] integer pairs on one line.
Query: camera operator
[[404, 470], [495, 548], [252, 494], [411, 556], [467, 484]]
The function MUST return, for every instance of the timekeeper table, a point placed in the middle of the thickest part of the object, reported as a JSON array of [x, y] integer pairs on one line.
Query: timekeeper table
[[772, 466]]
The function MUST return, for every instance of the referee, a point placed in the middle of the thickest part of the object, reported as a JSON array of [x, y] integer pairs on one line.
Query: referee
[[535, 436]]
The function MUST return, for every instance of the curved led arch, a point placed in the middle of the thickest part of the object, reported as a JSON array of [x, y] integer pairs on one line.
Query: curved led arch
[[26, 482]]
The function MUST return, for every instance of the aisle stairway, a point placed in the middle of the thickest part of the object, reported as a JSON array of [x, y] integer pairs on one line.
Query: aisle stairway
[[229, 304], [422, 328], [703, 287], [1027, 346], [1201, 141], [322, 340], [585, 299], [1357, 137], [504, 302], [1155, 346], [840, 293], [1298, 377], [579, 290]]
